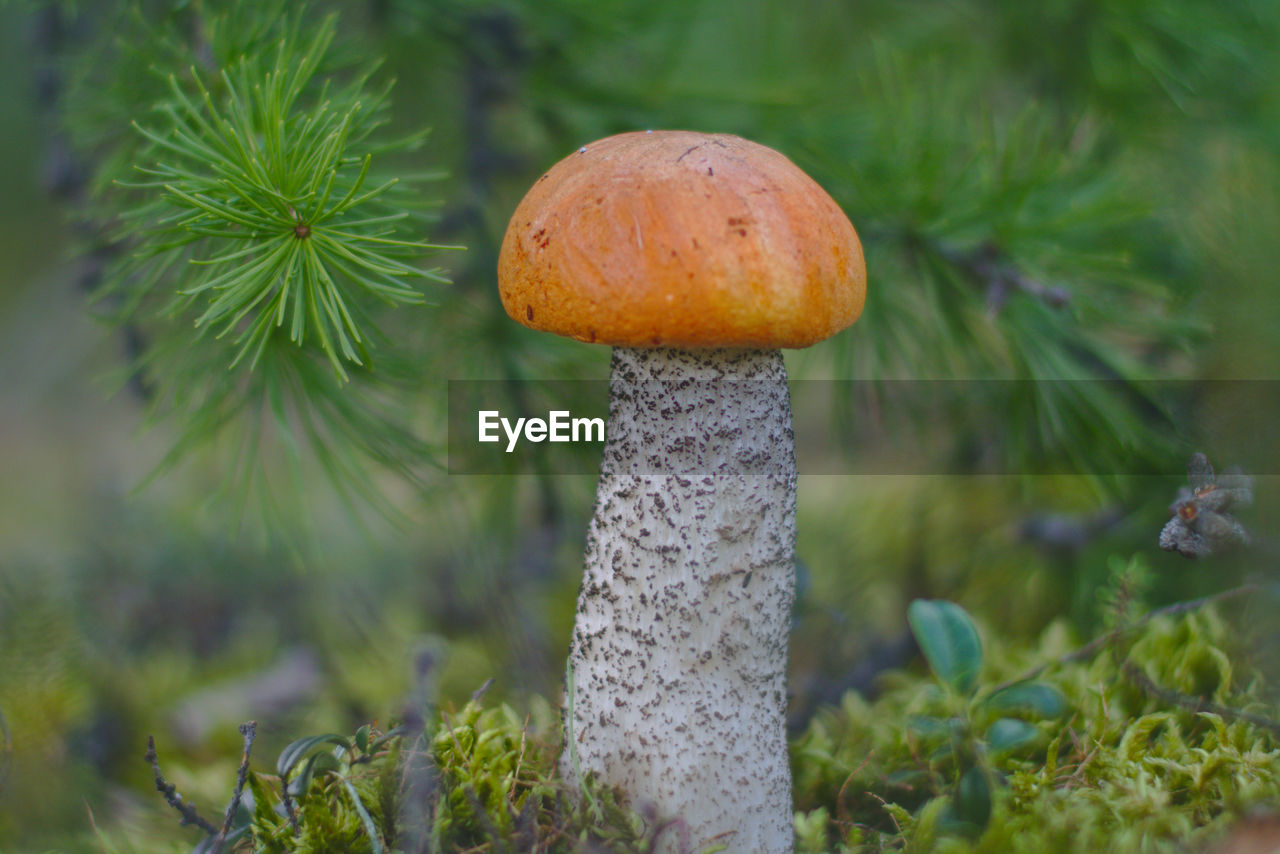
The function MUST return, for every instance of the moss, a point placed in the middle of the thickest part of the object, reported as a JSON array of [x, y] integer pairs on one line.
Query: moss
[[1124, 772], [484, 780], [1123, 769]]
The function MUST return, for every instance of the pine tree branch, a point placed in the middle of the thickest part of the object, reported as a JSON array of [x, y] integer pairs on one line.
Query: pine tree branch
[[987, 266], [245, 223]]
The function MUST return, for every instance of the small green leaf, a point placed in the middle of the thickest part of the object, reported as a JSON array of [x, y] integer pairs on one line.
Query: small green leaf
[[386, 737], [949, 641], [1010, 734], [928, 726], [973, 799], [318, 763], [295, 752], [362, 738], [1038, 698], [370, 829]]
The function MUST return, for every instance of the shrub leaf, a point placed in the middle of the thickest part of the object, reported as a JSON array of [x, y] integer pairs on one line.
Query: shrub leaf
[[949, 641], [1038, 698]]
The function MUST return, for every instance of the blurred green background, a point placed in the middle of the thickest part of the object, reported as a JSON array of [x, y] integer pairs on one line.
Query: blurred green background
[[1125, 152]]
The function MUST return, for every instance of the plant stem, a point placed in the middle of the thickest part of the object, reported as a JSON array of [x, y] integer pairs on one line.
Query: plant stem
[[170, 793], [1100, 642]]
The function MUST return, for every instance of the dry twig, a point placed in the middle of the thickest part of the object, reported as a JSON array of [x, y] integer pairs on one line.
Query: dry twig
[[171, 796], [1100, 642], [248, 731], [1196, 704]]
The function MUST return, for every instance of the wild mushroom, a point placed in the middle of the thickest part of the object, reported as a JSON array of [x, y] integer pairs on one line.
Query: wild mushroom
[[697, 257]]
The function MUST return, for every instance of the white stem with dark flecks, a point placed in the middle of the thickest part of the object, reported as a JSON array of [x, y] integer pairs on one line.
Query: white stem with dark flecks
[[679, 653]]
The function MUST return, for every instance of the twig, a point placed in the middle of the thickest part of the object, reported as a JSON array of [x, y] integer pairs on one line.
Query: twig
[[985, 266], [1101, 641], [842, 810], [1077, 772], [1195, 704], [896, 824], [171, 796], [248, 731], [480, 692], [419, 783], [290, 809]]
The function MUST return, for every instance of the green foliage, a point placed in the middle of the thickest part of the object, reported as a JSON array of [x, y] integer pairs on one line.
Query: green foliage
[[977, 727], [1161, 58], [1121, 771], [489, 786], [342, 795], [43, 695], [949, 641], [1056, 191], [1014, 229], [269, 200], [1120, 599], [1005, 235], [256, 244], [1078, 759]]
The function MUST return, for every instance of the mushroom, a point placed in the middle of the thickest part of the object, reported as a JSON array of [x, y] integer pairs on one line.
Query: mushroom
[[696, 256]]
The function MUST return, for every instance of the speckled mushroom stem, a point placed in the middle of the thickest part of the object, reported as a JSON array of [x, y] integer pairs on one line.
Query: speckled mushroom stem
[[679, 652]]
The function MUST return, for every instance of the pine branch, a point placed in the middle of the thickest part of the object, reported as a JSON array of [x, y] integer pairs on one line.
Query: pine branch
[[259, 248], [267, 204], [1007, 243], [999, 277]]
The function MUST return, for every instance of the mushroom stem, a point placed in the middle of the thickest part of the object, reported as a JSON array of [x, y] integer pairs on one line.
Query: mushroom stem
[[679, 652]]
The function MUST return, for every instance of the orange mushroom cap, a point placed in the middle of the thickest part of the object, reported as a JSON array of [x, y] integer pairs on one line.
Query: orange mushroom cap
[[681, 239]]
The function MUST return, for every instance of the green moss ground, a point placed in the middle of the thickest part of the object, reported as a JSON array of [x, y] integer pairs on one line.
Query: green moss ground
[[1130, 765]]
